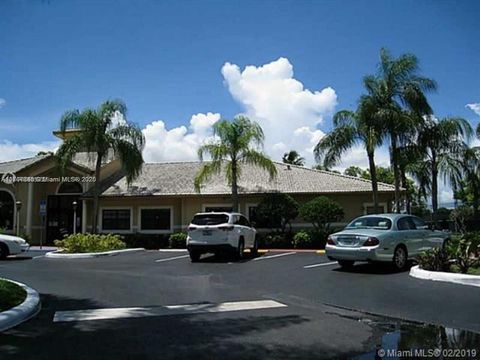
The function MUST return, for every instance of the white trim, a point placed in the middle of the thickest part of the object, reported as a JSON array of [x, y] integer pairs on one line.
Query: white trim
[[14, 226], [380, 204], [204, 206], [59, 254], [63, 182], [463, 279], [100, 217], [157, 231]]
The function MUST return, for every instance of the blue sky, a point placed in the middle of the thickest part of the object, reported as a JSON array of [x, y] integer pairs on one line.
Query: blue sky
[[165, 60]]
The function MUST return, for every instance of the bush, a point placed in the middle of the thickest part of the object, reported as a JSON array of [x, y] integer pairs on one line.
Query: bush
[[302, 240], [178, 240], [462, 252], [273, 240], [321, 211], [276, 210], [84, 243], [147, 241], [435, 260]]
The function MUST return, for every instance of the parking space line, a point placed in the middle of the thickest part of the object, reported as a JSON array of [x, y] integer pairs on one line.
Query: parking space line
[[172, 258], [274, 256], [321, 264], [137, 312]]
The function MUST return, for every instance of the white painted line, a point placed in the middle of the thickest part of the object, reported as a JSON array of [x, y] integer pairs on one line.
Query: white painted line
[[274, 256], [172, 258], [137, 312], [37, 257], [321, 264], [172, 250]]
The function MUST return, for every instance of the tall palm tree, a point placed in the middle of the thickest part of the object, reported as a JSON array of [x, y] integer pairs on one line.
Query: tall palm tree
[[98, 134], [236, 144], [441, 149], [293, 158], [352, 128], [395, 88]]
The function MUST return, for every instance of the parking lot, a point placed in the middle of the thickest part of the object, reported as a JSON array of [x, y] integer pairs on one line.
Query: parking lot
[[155, 304]]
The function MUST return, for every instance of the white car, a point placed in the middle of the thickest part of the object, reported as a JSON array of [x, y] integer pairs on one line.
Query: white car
[[216, 232], [12, 245]]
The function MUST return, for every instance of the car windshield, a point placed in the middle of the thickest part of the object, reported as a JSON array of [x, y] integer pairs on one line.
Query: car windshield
[[210, 219], [370, 222]]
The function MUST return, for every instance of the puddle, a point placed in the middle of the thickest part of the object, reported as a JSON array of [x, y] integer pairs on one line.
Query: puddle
[[405, 340]]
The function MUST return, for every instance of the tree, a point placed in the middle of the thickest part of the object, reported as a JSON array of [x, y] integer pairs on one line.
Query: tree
[[98, 135], [441, 147], [320, 167], [467, 183], [277, 210], [352, 128], [293, 158], [354, 171], [236, 143], [321, 211], [396, 90]]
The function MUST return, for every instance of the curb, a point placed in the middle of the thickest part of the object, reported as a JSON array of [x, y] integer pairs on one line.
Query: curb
[[462, 279], [60, 255], [29, 308]]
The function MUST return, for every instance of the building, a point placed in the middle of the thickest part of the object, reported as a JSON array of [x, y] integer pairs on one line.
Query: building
[[41, 201]]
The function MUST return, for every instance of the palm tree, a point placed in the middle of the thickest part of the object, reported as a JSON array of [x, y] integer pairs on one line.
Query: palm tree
[[97, 135], [395, 88], [353, 128], [293, 158], [441, 150], [236, 144]]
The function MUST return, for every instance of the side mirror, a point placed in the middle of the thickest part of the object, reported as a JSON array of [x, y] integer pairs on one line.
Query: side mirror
[[253, 223]]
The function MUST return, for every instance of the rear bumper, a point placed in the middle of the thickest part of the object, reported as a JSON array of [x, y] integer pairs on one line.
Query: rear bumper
[[204, 248], [363, 253]]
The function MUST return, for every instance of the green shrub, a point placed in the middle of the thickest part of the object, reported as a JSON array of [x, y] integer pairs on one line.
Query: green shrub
[[435, 260], [85, 243], [178, 240], [147, 241], [274, 240], [321, 211], [302, 240], [276, 211], [462, 251]]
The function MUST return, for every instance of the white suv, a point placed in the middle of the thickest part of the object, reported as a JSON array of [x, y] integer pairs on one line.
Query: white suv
[[220, 231]]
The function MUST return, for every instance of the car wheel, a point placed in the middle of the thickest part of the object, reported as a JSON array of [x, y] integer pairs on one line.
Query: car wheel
[[3, 251], [400, 258], [194, 255], [254, 249], [346, 263], [240, 249]]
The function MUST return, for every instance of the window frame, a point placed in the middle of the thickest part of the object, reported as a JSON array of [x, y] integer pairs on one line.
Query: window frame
[[117, 231], [371, 204], [204, 206], [154, 231]]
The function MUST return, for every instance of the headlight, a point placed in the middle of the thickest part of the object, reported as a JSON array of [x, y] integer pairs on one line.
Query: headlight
[[20, 241]]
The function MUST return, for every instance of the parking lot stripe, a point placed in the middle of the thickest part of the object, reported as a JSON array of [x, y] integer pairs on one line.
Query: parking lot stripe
[[321, 264], [274, 256], [172, 258], [137, 312]]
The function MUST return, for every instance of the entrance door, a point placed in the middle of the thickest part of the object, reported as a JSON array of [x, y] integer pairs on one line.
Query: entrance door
[[60, 216]]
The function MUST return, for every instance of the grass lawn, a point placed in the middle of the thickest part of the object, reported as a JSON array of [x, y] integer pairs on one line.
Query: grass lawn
[[10, 295], [471, 271]]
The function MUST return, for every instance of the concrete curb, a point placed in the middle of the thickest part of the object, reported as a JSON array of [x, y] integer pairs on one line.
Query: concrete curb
[[59, 255], [23, 312], [463, 279]]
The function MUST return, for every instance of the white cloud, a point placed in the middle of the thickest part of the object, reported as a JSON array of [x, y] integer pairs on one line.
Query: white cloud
[[288, 113], [475, 107], [3, 102], [12, 151], [180, 143], [357, 156]]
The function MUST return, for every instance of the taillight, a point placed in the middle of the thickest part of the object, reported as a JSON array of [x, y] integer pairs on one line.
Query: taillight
[[226, 228], [330, 241], [371, 241], [191, 228]]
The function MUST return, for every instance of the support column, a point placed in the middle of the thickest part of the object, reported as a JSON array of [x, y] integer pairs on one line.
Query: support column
[[29, 209], [84, 216]]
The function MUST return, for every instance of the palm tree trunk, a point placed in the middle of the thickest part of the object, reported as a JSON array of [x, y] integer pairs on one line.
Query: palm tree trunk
[[408, 201], [434, 189], [234, 186], [396, 174], [373, 176], [96, 192]]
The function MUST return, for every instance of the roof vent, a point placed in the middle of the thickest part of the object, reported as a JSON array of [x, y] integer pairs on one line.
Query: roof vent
[[288, 167]]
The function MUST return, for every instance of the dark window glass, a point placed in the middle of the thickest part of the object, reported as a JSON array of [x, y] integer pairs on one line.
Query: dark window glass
[[116, 219], [370, 222], [155, 219], [371, 210], [218, 209], [210, 219], [7, 212], [405, 223], [419, 223], [70, 188], [243, 221]]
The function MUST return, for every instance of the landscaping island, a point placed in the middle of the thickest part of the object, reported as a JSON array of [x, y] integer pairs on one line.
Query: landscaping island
[[11, 295]]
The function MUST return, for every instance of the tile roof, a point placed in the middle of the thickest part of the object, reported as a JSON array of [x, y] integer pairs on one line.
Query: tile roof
[[176, 178], [17, 165]]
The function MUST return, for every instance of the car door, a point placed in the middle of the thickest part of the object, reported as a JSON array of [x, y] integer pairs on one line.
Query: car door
[[249, 238], [409, 235], [424, 232]]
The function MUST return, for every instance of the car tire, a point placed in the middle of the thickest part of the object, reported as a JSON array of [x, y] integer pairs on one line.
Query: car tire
[[194, 255], [3, 251], [254, 249], [345, 264], [400, 258], [240, 249]]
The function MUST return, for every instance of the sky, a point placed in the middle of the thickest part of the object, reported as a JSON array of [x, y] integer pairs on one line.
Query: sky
[[180, 66]]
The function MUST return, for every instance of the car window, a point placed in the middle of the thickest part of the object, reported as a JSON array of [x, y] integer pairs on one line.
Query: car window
[[419, 223], [406, 223], [370, 222], [210, 219], [244, 221]]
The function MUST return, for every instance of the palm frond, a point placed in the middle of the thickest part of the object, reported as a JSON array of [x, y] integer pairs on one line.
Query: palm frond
[[205, 173], [253, 157], [331, 147]]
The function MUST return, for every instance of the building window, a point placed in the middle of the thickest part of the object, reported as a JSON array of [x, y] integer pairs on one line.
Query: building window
[[116, 219], [70, 188], [156, 219], [370, 209], [7, 210]]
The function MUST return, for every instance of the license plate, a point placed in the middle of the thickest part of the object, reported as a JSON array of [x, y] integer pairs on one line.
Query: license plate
[[207, 232]]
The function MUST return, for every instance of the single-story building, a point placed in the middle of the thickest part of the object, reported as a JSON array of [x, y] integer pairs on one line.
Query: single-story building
[[38, 199]]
